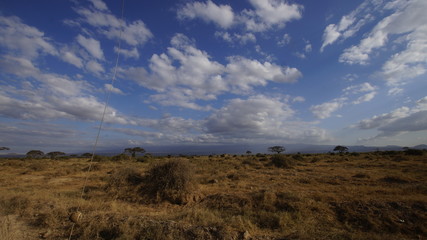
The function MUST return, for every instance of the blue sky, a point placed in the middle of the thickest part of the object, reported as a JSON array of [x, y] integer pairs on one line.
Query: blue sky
[[212, 72]]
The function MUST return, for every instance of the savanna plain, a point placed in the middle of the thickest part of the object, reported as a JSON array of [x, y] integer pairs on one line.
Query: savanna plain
[[376, 195]]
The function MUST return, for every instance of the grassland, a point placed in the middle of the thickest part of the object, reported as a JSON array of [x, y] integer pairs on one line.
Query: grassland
[[317, 196]]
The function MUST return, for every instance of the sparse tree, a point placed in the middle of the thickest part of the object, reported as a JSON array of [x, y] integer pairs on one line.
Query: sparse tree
[[35, 154], [341, 149], [134, 150], [276, 149], [53, 155], [248, 152], [4, 148]]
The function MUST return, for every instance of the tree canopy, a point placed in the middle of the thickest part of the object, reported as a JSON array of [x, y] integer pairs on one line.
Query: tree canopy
[[35, 154], [134, 150], [277, 149], [53, 155], [341, 149]]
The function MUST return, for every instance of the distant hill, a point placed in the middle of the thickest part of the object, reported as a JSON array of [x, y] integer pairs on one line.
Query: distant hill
[[421, 146]]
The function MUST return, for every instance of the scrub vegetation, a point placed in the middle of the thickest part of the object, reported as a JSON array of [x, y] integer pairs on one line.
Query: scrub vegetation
[[378, 195]]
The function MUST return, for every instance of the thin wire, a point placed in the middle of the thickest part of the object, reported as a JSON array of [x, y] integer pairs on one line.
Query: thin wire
[[103, 116]]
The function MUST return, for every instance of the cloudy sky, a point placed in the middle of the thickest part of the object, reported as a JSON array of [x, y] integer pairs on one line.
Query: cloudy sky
[[212, 72]]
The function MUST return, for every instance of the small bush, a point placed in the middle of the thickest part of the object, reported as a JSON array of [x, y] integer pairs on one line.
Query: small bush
[[361, 175], [389, 153], [172, 181], [15, 205], [122, 184], [298, 157], [121, 157], [414, 152], [99, 158], [399, 159], [281, 161], [394, 179], [37, 166]]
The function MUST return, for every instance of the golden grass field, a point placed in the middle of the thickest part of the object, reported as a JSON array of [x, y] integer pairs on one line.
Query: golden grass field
[[319, 196]]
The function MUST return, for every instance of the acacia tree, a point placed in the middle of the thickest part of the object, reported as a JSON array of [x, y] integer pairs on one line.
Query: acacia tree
[[53, 155], [134, 150], [35, 154], [276, 149], [341, 149]]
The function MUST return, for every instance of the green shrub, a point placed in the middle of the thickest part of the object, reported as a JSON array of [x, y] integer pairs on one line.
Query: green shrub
[[281, 161], [172, 181]]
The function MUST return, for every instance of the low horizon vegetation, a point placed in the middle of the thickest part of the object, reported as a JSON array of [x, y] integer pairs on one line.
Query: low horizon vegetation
[[376, 195], [132, 152]]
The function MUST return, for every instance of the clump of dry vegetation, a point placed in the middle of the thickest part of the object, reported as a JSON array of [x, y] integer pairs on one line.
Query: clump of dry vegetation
[[379, 195], [123, 184], [281, 161], [172, 181]]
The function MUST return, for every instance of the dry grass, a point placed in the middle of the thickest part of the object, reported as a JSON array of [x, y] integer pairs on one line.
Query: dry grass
[[365, 196]]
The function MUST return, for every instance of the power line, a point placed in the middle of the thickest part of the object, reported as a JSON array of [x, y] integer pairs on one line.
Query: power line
[[77, 215]]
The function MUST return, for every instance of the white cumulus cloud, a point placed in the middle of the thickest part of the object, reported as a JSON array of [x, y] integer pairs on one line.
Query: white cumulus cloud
[[99, 4], [260, 118], [269, 13], [185, 74], [92, 46], [110, 88], [132, 53], [244, 73], [28, 41], [263, 16], [222, 15], [398, 121], [135, 33], [326, 109], [94, 67], [351, 23], [72, 58], [235, 37], [408, 19]]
